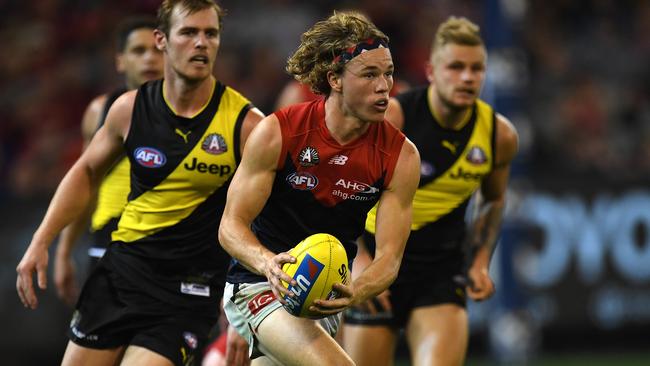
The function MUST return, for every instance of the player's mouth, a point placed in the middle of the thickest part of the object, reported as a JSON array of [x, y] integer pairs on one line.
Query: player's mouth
[[381, 104], [466, 92], [199, 59]]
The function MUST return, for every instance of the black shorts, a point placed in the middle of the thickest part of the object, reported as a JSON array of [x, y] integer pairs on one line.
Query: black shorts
[[442, 281], [111, 312]]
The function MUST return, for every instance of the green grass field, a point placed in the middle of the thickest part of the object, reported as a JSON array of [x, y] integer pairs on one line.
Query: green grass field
[[571, 359]]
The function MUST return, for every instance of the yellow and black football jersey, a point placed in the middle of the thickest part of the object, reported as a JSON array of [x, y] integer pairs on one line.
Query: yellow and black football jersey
[[180, 172], [453, 165]]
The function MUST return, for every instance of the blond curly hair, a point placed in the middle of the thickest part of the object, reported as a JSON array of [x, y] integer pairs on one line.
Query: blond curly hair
[[327, 39]]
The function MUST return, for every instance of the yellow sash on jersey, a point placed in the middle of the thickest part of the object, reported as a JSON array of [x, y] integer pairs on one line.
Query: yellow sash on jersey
[[459, 182], [198, 176]]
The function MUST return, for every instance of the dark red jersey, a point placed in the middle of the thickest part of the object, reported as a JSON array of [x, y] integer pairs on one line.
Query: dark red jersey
[[320, 185]]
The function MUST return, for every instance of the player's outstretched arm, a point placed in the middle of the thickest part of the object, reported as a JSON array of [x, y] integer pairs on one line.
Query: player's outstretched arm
[[247, 195], [485, 229], [64, 266], [393, 227], [73, 196]]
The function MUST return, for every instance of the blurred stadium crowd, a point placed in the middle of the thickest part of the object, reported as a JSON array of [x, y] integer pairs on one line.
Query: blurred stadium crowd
[[580, 69], [587, 93]]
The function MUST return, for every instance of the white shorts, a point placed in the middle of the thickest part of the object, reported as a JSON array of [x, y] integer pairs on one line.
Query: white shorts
[[246, 305]]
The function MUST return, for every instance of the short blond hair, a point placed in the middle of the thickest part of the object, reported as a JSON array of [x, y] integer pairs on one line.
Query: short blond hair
[[323, 42], [457, 30]]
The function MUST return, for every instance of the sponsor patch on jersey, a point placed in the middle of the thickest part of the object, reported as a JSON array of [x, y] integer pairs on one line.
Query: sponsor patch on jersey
[[476, 155], [302, 181], [214, 144], [426, 169], [308, 157], [260, 301], [149, 157], [190, 339], [195, 289], [338, 160], [357, 187]]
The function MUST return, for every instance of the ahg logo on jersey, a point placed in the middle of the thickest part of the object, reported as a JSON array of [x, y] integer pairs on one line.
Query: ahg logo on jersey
[[214, 144], [302, 181], [308, 157], [149, 157], [357, 187], [356, 191], [476, 156]]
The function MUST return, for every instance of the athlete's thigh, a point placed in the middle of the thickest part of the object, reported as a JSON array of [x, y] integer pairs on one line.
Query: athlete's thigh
[[370, 345], [299, 341], [135, 356], [78, 355], [437, 335]]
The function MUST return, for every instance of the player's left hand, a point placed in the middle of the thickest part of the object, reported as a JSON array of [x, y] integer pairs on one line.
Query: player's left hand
[[334, 306], [480, 285], [236, 349]]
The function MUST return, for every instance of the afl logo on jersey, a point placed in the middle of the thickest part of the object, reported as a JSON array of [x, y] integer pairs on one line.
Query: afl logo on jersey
[[308, 157], [302, 181], [476, 156], [149, 157], [214, 144]]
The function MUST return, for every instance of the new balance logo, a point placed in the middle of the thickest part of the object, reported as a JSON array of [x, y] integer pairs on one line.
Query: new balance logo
[[338, 160]]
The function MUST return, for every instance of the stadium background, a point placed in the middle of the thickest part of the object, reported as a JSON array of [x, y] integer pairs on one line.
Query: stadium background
[[573, 265]]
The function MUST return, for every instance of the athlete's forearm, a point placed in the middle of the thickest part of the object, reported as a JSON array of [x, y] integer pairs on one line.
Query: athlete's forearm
[[240, 242], [70, 235], [72, 198], [376, 277], [486, 230]]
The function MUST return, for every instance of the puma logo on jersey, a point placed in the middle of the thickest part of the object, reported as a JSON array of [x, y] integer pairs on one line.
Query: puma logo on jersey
[[449, 146], [183, 135]]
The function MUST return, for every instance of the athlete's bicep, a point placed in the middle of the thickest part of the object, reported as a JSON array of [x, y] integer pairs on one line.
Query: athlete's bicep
[[251, 185], [394, 211], [90, 121], [252, 119], [107, 145], [507, 143]]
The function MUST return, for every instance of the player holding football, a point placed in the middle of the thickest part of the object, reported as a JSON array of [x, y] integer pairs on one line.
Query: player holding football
[[317, 167], [466, 146]]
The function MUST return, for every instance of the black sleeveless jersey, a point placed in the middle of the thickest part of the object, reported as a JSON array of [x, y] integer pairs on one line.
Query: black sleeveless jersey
[[453, 165], [180, 171]]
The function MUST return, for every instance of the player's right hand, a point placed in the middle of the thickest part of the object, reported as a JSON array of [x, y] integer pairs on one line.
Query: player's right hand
[[34, 260], [65, 280], [274, 273]]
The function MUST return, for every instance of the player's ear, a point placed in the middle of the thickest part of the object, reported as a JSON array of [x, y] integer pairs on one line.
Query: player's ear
[[161, 40], [334, 80], [428, 69], [119, 63]]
